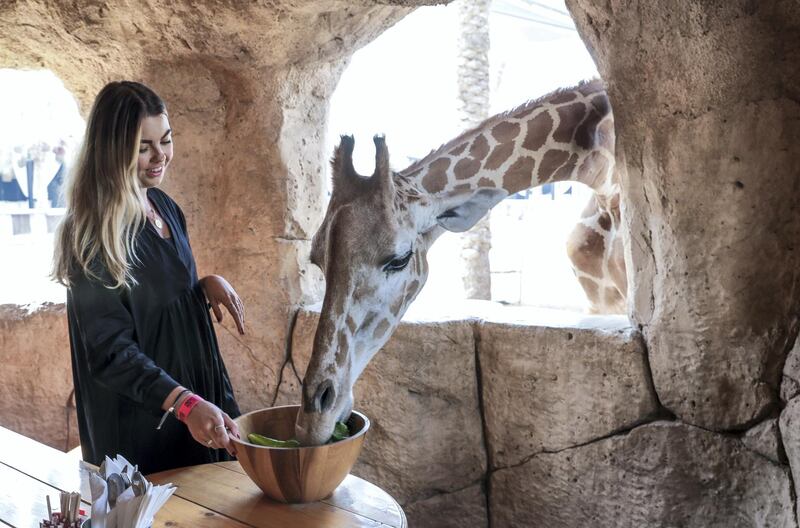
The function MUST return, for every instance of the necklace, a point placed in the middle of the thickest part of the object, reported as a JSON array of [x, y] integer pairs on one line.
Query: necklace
[[156, 220]]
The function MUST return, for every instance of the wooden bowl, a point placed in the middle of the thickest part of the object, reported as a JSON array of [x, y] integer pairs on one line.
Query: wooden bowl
[[296, 474]]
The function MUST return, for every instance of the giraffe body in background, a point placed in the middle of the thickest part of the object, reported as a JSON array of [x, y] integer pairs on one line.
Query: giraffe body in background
[[373, 241]]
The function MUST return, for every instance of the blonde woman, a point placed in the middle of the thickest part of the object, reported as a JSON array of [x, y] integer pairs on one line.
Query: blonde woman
[[147, 370]]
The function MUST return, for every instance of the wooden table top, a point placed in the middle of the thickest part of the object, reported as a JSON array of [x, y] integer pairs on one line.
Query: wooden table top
[[210, 495]]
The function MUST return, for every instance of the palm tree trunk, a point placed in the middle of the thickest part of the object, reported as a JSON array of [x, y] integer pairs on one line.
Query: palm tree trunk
[[473, 93]]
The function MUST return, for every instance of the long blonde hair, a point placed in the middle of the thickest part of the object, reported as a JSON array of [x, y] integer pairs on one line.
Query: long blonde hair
[[103, 209]]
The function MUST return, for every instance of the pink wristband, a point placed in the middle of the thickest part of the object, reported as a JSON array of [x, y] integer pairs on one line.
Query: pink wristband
[[187, 405]]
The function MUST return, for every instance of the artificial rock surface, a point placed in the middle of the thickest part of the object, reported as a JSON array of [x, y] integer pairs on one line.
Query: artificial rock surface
[[790, 435], [765, 439], [36, 375], [457, 509], [535, 376], [660, 474], [705, 98]]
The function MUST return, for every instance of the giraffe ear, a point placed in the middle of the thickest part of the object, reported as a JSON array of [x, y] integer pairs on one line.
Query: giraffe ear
[[463, 210]]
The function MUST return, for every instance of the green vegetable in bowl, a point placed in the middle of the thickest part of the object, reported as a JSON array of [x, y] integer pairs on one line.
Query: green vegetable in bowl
[[265, 441], [340, 432]]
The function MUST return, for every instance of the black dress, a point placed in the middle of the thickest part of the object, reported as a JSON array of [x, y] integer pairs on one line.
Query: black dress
[[131, 348]]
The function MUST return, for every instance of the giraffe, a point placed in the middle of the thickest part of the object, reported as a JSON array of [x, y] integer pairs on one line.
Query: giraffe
[[373, 240]]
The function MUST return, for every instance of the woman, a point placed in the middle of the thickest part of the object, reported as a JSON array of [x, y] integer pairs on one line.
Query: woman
[[142, 340]]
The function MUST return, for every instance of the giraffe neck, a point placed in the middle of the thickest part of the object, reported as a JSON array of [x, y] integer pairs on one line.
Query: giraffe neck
[[566, 135]]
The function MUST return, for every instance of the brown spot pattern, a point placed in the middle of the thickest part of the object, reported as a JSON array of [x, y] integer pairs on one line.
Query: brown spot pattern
[[519, 175], [504, 131], [466, 168], [351, 324], [587, 252], [342, 348], [479, 148], [395, 307], [499, 155], [565, 171], [551, 161], [563, 97], [459, 149], [411, 291], [486, 182], [604, 220], [527, 112], [538, 129], [586, 133], [462, 187], [435, 180], [368, 319], [338, 304], [381, 329], [601, 104], [569, 117]]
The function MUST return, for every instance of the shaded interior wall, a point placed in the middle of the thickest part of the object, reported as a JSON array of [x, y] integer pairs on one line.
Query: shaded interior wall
[[246, 87]]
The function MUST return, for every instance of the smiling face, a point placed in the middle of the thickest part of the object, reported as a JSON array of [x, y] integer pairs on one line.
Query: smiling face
[[155, 150], [373, 259]]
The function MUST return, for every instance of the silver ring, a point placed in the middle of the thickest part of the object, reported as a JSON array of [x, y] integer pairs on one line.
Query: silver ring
[[219, 427], [211, 441]]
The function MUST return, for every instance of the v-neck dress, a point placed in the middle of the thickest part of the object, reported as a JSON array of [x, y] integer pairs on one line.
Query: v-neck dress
[[131, 348]]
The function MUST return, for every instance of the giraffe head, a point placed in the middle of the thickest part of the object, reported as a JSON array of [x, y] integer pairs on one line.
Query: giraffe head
[[371, 248]]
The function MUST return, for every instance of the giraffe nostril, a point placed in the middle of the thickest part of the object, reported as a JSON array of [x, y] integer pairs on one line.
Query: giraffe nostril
[[324, 397]]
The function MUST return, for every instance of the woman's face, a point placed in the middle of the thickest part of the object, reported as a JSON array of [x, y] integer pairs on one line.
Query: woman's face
[[155, 150]]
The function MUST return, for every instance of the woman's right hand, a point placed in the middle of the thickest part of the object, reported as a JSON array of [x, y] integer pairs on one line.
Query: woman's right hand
[[211, 426]]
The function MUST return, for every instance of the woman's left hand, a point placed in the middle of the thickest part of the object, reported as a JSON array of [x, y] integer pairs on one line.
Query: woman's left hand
[[218, 291]]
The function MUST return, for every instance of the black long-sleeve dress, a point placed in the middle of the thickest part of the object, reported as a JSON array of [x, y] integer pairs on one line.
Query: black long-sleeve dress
[[131, 348]]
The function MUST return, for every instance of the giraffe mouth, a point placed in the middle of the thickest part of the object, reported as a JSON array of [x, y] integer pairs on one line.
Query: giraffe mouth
[[315, 426]]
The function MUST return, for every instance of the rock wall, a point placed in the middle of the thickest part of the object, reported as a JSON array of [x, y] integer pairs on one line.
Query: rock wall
[[36, 375], [706, 99]]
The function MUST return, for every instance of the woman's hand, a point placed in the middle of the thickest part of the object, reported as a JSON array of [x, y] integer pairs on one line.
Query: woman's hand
[[211, 426], [218, 291]]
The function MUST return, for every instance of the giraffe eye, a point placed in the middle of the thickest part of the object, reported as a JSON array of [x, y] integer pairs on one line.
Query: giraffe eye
[[398, 264]]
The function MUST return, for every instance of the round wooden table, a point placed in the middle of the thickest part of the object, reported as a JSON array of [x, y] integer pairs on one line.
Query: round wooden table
[[208, 496], [229, 498]]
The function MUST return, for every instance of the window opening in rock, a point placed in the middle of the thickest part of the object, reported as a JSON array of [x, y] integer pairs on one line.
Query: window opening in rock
[[404, 84], [42, 129]]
